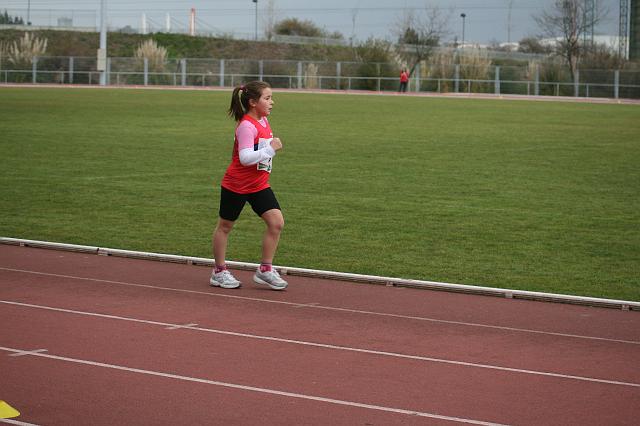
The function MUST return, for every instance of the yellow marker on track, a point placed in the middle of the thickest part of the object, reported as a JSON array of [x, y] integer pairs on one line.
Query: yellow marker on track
[[7, 411]]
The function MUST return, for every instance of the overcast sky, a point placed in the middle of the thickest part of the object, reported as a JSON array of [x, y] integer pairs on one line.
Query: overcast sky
[[486, 20]]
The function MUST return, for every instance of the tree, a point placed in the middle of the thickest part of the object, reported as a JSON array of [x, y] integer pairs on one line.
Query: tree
[[373, 56], [601, 56], [295, 27], [419, 34], [567, 21], [127, 29], [6, 19], [533, 45], [269, 19]]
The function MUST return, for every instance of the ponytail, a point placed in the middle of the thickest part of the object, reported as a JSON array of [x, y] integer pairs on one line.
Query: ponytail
[[241, 96]]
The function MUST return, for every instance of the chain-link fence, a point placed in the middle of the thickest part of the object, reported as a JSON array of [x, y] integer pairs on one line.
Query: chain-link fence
[[533, 80]]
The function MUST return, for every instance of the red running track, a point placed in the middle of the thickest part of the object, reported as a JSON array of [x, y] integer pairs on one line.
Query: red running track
[[96, 340]]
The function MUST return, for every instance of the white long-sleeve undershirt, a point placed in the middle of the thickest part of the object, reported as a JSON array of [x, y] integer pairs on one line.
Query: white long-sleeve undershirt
[[248, 156], [246, 134]]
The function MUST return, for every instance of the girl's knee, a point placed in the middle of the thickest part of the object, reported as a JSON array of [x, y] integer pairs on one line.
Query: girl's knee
[[276, 224], [224, 226], [274, 220]]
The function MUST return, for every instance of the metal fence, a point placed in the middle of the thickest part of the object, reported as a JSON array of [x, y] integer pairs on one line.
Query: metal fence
[[538, 80]]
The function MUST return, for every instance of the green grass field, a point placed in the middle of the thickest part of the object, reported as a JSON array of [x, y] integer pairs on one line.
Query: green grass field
[[539, 196]]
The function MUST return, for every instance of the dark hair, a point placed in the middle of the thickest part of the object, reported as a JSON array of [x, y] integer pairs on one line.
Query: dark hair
[[241, 96]]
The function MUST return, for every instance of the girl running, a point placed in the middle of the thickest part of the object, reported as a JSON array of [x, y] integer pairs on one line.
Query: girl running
[[247, 180]]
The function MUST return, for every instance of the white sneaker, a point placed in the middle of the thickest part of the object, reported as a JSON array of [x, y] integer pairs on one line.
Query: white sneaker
[[224, 279], [270, 278]]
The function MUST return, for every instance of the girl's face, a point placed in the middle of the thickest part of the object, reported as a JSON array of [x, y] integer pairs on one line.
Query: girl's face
[[263, 106]]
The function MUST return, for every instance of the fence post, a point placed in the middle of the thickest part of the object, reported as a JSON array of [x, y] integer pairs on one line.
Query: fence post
[[497, 84], [576, 84], [616, 84], [338, 73], [457, 78], [536, 90], [261, 69], [221, 72], [70, 69], [417, 79], [34, 70], [108, 72], [299, 75], [146, 71], [183, 72]]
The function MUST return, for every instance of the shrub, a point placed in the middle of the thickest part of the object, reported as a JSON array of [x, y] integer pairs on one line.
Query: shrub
[[295, 27], [373, 55], [23, 51], [443, 67], [311, 76], [155, 55], [474, 65]]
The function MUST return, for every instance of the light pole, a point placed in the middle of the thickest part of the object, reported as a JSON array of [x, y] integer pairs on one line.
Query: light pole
[[29, 12], [463, 16], [256, 2], [102, 51]]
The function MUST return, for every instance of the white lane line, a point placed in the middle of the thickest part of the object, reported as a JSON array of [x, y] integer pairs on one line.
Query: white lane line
[[332, 308], [333, 347], [177, 327], [16, 422], [256, 389], [28, 352], [307, 305], [318, 306]]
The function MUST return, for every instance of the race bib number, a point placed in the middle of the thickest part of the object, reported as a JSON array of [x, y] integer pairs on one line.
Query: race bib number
[[265, 164]]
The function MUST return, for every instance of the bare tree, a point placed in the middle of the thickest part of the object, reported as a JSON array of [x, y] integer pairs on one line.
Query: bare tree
[[419, 34], [567, 21], [354, 15], [269, 19]]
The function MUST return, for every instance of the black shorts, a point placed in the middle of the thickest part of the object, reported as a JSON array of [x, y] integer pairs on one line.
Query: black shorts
[[232, 203]]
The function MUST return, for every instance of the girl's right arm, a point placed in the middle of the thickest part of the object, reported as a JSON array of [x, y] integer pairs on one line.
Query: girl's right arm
[[276, 144], [246, 134]]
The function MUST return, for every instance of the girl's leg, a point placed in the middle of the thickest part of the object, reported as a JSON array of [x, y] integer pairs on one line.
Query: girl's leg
[[275, 222], [220, 238]]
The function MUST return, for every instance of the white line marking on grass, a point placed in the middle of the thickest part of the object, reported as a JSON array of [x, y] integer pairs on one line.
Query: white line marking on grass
[[332, 308], [332, 347], [256, 389]]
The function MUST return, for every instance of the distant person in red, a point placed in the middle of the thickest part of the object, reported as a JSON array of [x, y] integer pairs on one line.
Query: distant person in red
[[404, 80], [247, 181]]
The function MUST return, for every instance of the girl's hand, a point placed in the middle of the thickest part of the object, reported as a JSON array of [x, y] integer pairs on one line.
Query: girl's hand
[[276, 144]]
